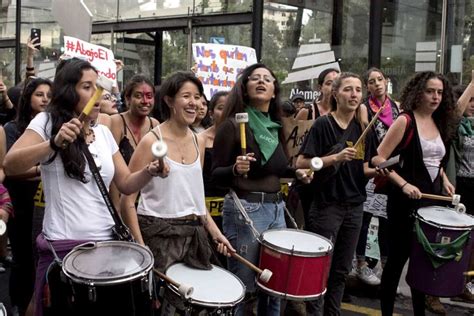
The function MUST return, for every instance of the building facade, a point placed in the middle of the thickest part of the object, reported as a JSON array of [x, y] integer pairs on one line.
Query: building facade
[[154, 36]]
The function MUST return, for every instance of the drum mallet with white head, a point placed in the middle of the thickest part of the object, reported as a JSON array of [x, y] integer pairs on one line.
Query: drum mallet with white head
[[184, 290], [3, 227], [242, 119], [159, 150], [315, 164], [263, 275], [455, 200]]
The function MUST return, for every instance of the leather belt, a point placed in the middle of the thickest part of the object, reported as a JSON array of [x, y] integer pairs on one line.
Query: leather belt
[[261, 197]]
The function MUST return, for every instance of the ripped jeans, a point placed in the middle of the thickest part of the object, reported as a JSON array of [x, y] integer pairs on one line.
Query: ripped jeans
[[265, 216]]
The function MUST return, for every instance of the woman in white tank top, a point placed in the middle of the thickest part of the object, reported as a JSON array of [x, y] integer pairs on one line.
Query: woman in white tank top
[[172, 216]]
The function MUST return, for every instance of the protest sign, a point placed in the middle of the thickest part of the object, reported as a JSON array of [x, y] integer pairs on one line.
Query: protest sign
[[217, 66], [294, 133], [100, 57]]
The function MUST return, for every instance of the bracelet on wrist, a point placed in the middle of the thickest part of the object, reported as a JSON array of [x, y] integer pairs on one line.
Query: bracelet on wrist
[[234, 170], [53, 145], [30, 68], [406, 182]]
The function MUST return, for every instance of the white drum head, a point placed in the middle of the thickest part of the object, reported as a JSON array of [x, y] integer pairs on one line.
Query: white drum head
[[301, 242], [446, 217], [216, 287], [108, 262]]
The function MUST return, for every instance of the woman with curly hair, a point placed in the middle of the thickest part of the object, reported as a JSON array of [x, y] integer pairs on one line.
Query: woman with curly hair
[[420, 135]]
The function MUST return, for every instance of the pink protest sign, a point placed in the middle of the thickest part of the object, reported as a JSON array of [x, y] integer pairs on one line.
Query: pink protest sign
[[100, 57]]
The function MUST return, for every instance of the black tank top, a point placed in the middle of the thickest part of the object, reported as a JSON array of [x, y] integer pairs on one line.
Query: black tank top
[[126, 149]]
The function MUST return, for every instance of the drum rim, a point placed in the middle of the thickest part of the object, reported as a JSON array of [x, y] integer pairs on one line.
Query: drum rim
[[437, 225], [290, 296], [112, 280], [280, 249], [207, 303]]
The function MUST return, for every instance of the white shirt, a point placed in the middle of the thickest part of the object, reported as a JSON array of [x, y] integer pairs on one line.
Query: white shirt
[[179, 194], [433, 153], [76, 210]]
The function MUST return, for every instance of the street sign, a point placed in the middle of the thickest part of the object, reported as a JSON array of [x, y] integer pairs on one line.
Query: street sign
[[217, 40]]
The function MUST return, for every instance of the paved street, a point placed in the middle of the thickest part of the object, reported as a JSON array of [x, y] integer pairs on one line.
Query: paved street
[[364, 300]]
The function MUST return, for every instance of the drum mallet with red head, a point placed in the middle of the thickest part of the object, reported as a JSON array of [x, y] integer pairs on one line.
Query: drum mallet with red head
[[184, 290], [315, 164], [159, 150], [241, 119], [263, 275]]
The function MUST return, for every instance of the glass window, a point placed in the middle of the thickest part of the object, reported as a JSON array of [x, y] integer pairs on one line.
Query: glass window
[[296, 44], [109, 10], [411, 32], [460, 57]]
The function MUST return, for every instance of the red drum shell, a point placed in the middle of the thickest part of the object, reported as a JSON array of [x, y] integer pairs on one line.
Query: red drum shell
[[297, 275]]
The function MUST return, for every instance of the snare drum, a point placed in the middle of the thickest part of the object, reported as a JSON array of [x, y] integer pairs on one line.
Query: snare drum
[[110, 278], [440, 225], [217, 290], [299, 260]]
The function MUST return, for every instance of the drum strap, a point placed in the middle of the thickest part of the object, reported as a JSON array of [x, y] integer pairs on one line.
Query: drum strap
[[55, 255], [120, 230], [242, 210]]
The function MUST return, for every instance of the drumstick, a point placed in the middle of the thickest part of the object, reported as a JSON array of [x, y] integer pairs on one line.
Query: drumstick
[[185, 290], [159, 150], [102, 83], [469, 273], [366, 130], [263, 275], [242, 118], [316, 164], [455, 199], [3, 227]]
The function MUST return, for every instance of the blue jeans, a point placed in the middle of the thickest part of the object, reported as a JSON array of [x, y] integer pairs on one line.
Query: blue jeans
[[264, 216]]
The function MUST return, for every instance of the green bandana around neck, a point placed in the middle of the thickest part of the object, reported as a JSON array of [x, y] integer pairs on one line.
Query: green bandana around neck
[[265, 132], [466, 126]]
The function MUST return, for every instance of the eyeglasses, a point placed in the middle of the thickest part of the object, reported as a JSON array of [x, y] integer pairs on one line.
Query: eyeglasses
[[109, 97], [265, 78]]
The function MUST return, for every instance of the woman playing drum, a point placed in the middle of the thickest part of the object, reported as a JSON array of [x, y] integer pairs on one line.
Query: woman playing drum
[[172, 214], [336, 211], [75, 209], [254, 177], [420, 135]]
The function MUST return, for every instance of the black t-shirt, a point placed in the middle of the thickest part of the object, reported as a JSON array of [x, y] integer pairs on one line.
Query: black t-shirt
[[348, 184], [261, 178]]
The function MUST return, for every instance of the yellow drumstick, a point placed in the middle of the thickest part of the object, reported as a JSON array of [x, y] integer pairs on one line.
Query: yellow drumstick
[[241, 119], [103, 83]]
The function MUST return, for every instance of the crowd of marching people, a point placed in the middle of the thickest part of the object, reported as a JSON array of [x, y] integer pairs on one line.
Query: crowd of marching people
[[218, 186]]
